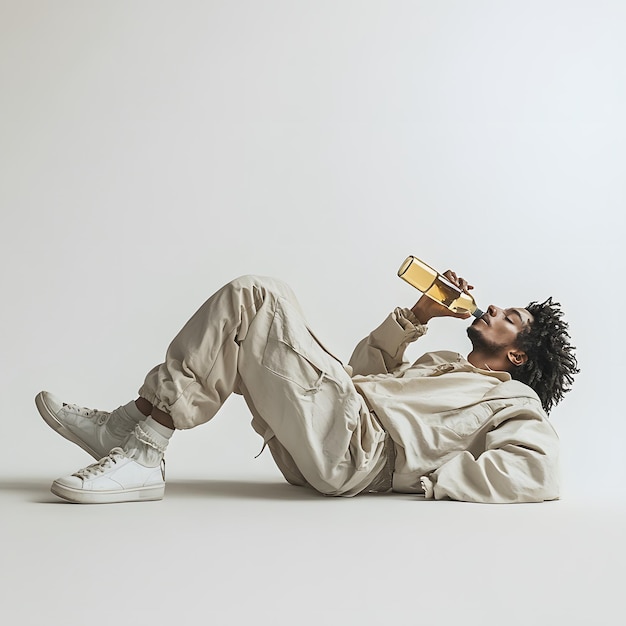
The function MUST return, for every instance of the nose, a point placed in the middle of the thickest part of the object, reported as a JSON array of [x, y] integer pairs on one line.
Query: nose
[[493, 310]]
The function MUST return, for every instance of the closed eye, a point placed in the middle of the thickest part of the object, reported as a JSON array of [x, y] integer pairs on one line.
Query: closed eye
[[514, 312]]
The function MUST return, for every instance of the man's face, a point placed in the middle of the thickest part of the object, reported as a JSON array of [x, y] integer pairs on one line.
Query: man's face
[[498, 328]]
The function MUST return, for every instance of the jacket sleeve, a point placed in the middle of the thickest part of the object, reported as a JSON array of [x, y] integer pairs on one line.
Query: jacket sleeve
[[519, 464], [382, 351]]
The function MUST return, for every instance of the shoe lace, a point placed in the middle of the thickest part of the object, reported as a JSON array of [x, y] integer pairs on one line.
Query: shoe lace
[[99, 467], [84, 411], [93, 414]]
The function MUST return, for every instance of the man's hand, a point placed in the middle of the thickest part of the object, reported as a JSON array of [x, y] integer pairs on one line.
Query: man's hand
[[426, 308]]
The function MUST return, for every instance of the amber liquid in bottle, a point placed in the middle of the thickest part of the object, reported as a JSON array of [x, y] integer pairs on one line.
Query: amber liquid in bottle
[[432, 284]]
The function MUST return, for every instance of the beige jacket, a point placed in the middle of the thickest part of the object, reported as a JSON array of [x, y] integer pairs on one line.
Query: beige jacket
[[473, 434]]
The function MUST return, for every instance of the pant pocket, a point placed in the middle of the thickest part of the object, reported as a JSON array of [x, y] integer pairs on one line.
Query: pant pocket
[[292, 353]]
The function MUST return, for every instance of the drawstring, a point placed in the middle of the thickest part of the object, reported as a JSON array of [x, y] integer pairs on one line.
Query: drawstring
[[269, 435], [318, 383]]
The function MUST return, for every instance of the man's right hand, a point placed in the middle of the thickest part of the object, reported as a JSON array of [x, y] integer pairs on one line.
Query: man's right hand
[[426, 308]]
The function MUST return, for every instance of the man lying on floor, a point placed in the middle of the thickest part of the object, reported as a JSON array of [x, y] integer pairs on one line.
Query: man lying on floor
[[448, 427]]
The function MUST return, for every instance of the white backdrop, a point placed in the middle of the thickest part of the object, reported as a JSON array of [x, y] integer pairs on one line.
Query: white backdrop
[[151, 151]]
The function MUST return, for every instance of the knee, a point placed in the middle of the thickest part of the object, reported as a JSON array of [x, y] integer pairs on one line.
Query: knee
[[247, 281], [260, 284]]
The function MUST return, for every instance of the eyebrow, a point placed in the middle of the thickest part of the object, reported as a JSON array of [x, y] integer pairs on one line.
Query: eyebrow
[[509, 311]]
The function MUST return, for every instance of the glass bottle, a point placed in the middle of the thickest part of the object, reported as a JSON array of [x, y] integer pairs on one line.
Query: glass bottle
[[432, 284]]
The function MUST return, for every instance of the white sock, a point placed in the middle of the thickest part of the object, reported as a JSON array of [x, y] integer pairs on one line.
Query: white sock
[[133, 411], [162, 430], [124, 419], [147, 442]]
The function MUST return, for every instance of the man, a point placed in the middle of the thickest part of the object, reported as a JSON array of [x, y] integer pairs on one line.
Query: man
[[445, 427]]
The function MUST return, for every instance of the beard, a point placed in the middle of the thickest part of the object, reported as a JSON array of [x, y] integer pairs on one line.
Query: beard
[[480, 343]]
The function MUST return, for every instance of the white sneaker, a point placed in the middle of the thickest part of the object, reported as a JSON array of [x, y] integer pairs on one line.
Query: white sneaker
[[114, 478], [86, 428]]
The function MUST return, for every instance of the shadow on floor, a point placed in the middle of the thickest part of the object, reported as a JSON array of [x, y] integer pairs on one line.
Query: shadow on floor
[[38, 490], [238, 489]]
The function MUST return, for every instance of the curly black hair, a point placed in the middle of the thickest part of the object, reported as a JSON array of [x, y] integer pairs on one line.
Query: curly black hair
[[551, 364]]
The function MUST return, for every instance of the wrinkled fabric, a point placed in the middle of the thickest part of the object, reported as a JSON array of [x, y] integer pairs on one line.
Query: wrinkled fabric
[[475, 434], [379, 422], [251, 338]]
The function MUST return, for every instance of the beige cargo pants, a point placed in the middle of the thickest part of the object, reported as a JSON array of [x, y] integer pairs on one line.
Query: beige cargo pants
[[251, 338]]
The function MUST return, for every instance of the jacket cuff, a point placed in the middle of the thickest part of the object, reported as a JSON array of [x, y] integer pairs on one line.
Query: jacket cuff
[[406, 315], [399, 328], [428, 486]]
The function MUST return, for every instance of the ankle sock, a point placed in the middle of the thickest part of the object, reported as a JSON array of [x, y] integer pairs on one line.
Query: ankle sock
[[124, 419], [147, 442], [164, 431], [134, 412]]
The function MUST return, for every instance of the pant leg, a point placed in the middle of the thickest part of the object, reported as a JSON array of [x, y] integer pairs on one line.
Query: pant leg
[[200, 369], [250, 337]]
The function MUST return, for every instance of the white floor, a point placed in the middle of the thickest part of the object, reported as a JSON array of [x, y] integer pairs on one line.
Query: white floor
[[243, 548]]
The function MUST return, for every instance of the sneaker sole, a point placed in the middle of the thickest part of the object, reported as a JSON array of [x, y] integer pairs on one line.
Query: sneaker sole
[[78, 496], [50, 418]]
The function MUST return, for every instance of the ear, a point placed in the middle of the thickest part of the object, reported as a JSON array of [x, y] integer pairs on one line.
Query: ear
[[517, 357]]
